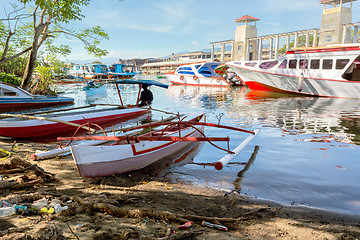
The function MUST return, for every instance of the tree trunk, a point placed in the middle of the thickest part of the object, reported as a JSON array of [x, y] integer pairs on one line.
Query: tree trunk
[[29, 70]]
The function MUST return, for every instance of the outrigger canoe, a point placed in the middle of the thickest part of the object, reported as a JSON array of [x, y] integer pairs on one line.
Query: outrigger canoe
[[53, 122], [131, 153]]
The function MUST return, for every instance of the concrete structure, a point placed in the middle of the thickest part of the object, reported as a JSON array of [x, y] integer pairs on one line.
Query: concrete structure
[[336, 28], [335, 15]]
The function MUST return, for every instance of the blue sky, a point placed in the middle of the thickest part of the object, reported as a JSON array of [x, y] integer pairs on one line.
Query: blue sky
[[157, 28]]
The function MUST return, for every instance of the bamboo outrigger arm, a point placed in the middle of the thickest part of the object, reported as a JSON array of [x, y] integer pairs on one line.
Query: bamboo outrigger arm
[[46, 119]]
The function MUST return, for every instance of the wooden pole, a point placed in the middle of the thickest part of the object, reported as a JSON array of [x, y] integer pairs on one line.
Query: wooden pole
[[45, 119], [117, 87]]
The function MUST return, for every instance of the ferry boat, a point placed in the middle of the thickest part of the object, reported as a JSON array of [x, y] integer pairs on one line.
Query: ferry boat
[[97, 71], [121, 71], [331, 71], [198, 74]]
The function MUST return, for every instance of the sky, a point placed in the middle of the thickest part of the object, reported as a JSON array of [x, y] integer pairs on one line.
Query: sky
[[158, 28]]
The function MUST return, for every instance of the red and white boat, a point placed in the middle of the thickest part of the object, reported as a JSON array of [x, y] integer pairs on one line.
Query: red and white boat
[[131, 153], [19, 127], [198, 74], [330, 71], [57, 121]]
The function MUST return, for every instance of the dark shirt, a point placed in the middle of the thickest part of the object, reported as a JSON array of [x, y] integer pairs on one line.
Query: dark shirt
[[146, 97]]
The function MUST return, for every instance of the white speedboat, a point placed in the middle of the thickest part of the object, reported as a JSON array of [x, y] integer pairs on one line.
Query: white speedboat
[[330, 71], [198, 74]]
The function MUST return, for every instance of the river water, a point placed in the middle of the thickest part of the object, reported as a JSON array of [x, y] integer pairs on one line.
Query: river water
[[307, 152]]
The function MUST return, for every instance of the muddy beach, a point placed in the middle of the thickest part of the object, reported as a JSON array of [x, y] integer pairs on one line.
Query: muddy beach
[[144, 205]]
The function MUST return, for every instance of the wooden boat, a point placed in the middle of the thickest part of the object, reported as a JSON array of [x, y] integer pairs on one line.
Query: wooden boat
[[131, 153], [330, 71], [15, 97], [24, 126], [198, 74], [32, 125]]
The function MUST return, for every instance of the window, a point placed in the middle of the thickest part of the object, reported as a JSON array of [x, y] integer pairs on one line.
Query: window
[[239, 48], [303, 63], [328, 38], [341, 63], [9, 93], [327, 64], [267, 65], [250, 64], [215, 66], [205, 71], [186, 72], [251, 47], [283, 64], [315, 64], [292, 63]]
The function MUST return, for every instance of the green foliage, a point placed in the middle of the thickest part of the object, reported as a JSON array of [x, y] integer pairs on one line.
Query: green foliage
[[301, 42], [10, 78]]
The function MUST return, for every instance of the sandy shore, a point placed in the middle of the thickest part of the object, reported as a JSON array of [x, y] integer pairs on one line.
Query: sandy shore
[[138, 205]]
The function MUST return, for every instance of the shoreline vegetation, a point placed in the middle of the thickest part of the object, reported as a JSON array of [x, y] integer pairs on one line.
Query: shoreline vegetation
[[144, 205]]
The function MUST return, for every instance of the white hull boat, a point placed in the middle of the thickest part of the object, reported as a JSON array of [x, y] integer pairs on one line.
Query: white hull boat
[[331, 71]]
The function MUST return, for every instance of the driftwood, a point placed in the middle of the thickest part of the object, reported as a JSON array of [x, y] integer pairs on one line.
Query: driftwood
[[31, 174]]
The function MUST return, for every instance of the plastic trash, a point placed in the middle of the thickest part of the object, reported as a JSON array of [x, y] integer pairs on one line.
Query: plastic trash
[[20, 209], [5, 204], [212, 225], [186, 225], [7, 211], [59, 208], [53, 203], [1, 178], [39, 204]]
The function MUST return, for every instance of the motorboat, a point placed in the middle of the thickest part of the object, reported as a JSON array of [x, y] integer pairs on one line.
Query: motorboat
[[198, 74], [15, 97], [330, 71], [121, 71]]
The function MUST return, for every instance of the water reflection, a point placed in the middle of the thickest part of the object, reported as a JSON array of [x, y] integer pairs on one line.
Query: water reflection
[[240, 175], [309, 146]]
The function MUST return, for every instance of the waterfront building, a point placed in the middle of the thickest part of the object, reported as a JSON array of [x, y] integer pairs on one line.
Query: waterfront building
[[336, 28]]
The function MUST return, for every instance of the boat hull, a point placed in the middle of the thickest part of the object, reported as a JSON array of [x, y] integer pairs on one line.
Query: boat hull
[[197, 80], [35, 102], [267, 81], [34, 128], [97, 161]]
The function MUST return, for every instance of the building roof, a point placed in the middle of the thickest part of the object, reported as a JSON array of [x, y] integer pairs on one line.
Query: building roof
[[331, 2], [246, 18]]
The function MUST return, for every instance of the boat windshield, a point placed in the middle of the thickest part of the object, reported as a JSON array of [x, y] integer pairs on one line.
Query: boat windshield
[[205, 71], [185, 70]]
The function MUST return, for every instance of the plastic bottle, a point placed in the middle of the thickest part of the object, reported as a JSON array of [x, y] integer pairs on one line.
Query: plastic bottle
[[59, 208], [53, 203], [20, 209], [39, 204], [7, 211]]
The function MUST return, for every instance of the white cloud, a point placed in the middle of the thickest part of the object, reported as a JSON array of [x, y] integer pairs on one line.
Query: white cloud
[[195, 43]]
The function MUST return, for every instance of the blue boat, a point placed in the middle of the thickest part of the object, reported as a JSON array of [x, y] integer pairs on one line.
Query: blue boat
[[15, 97], [121, 71]]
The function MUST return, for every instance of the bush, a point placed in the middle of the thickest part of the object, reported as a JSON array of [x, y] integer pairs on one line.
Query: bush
[[10, 78]]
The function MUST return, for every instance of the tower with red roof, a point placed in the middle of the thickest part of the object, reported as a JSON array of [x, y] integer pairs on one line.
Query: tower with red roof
[[245, 29]]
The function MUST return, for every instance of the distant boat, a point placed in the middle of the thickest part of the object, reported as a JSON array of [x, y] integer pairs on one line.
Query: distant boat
[[121, 71], [198, 74], [15, 97], [331, 71], [97, 71]]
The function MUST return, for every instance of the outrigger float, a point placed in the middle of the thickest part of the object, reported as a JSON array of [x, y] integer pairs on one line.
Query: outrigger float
[[133, 152]]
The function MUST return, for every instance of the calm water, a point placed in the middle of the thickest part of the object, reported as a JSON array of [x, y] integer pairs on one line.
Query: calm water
[[307, 152]]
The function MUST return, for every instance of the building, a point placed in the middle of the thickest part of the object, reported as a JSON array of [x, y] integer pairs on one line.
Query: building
[[336, 28]]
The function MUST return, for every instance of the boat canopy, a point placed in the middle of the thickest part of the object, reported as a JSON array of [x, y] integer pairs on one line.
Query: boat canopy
[[142, 81]]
